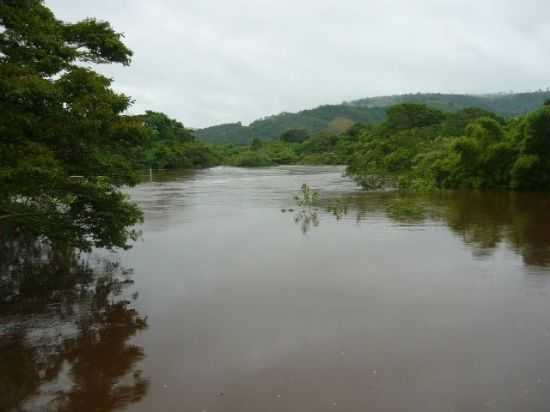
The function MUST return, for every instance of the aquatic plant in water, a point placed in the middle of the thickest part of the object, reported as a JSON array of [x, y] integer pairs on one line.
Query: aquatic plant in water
[[308, 213]]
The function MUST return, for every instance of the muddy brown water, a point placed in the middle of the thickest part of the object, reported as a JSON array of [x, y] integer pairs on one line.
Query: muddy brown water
[[363, 302]]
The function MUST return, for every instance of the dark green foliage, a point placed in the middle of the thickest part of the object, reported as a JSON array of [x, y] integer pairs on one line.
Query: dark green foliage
[[421, 149], [256, 144], [65, 146], [295, 136], [165, 129], [531, 171], [456, 124], [411, 115], [319, 149], [170, 145]]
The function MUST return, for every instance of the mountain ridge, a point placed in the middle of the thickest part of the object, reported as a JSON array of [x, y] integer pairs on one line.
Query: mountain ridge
[[335, 118]]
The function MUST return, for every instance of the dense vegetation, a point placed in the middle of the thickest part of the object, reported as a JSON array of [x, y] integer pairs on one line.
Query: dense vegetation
[[170, 145], [66, 148], [421, 148], [338, 118]]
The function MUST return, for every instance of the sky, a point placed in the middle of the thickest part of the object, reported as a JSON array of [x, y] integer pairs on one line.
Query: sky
[[207, 62]]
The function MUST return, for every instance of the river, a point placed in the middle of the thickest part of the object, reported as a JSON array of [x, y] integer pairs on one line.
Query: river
[[238, 299]]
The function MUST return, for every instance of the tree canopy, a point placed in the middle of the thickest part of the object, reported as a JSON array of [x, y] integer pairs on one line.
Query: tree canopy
[[66, 147], [295, 136]]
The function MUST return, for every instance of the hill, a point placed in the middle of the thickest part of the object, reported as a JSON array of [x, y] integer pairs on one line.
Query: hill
[[337, 118]]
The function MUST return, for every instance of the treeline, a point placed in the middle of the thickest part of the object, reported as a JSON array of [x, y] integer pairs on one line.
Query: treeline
[[338, 118], [507, 105], [169, 145], [420, 148]]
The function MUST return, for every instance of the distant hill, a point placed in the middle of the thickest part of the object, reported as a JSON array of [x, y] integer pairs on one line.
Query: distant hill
[[506, 105], [336, 118]]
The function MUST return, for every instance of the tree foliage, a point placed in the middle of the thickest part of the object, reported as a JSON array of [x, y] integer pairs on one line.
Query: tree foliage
[[170, 145], [295, 136], [66, 147], [469, 149]]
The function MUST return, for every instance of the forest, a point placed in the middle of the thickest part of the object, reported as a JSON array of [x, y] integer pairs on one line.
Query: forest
[[415, 148], [421, 149]]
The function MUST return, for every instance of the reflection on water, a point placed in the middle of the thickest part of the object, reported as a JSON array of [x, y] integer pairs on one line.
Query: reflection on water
[[65, 332], [483, 221], [351, 301]]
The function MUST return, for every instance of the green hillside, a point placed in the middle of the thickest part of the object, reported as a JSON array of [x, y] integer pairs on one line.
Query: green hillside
[[337, 118], [506, 105]]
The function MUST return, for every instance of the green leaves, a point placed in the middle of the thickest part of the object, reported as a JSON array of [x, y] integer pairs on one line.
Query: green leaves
[[59, 120], [170, 145], [411, 115], [425, 152], [95, 41]]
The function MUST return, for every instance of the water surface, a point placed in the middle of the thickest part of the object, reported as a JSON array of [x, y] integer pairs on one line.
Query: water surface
[[381, 302]]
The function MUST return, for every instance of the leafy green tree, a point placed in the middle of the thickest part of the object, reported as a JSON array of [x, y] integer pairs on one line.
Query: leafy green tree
[[256, 144], [422, 150], [66, 147], [165, 129], [411, 115], [295, 136], [170, 145], [455, 124], [531, 170]]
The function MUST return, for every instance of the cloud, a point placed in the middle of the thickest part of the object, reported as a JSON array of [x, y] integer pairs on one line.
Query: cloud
[[207, 62]]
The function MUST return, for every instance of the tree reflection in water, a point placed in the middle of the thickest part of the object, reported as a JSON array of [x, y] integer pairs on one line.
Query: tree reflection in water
[[66, 325], [483, 221]]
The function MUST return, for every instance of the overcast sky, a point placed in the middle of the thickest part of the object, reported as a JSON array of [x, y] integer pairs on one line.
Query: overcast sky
[[207, 62]]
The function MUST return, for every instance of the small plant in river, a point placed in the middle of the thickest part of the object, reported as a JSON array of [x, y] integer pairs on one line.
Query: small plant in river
[[308, 202], [308, 213], [308, 198]]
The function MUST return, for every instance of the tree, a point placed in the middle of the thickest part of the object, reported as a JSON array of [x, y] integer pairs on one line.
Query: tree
[[165, 128], [410, 115], [256, 144], [170, 145], [66, 147], [295, 136], [531, 171]]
